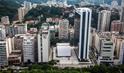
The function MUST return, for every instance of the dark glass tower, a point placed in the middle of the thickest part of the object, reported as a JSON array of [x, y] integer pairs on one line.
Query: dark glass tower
[[84, 33]]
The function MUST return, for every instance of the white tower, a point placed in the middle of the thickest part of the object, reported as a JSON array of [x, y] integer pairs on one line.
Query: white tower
[[84, 38], [43, 45], [28, 48], [104, 20], [63, 29], [122, 11]]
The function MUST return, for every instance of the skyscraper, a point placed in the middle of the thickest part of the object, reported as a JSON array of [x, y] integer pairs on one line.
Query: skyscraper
[[122, 16], [121, 57], [63, 29], [84, 35], [28, 48], [3, 53], [2, 32], [122, 11], [43, 45], [104, 20], [21, 13]]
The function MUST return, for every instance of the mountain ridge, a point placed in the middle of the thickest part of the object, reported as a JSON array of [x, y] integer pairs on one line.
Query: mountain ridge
[[8, 8]]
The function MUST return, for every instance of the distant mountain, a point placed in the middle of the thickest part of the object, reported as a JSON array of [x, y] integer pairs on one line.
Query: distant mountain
[[70, 1], [8, 8], [33, 1]]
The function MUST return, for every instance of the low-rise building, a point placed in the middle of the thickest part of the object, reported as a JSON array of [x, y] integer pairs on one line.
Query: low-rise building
[[104, 46], [15, 58]]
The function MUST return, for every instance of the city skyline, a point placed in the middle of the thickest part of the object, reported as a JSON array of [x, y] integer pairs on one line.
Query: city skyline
[[64, 36]]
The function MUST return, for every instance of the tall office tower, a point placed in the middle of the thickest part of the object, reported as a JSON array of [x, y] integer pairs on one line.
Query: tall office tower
[[5, 20], [119, 42], [9, 45], [2, 32], [122, 11], [121, 57], [39, 44], [84, 36], [43, 45], [122, 17], [3, 53], [21, 13], [28, 48], [104, 21], [63, 29]]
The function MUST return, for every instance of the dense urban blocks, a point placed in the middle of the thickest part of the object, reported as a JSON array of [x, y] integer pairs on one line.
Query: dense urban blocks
[[55, 37]]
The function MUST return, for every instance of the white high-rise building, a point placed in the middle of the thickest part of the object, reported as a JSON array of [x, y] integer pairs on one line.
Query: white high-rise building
[[63, 29], [122, 16], [121, 57], [9, 45], [28, 48], [24, 10], [104, 20], [43, 45], [3, 53], [122, 11], [2, 32], [5, 20], [21, 13], [84, 36], [39, 44]]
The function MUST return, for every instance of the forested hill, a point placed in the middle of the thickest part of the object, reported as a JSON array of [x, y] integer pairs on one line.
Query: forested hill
[[8, 8]]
